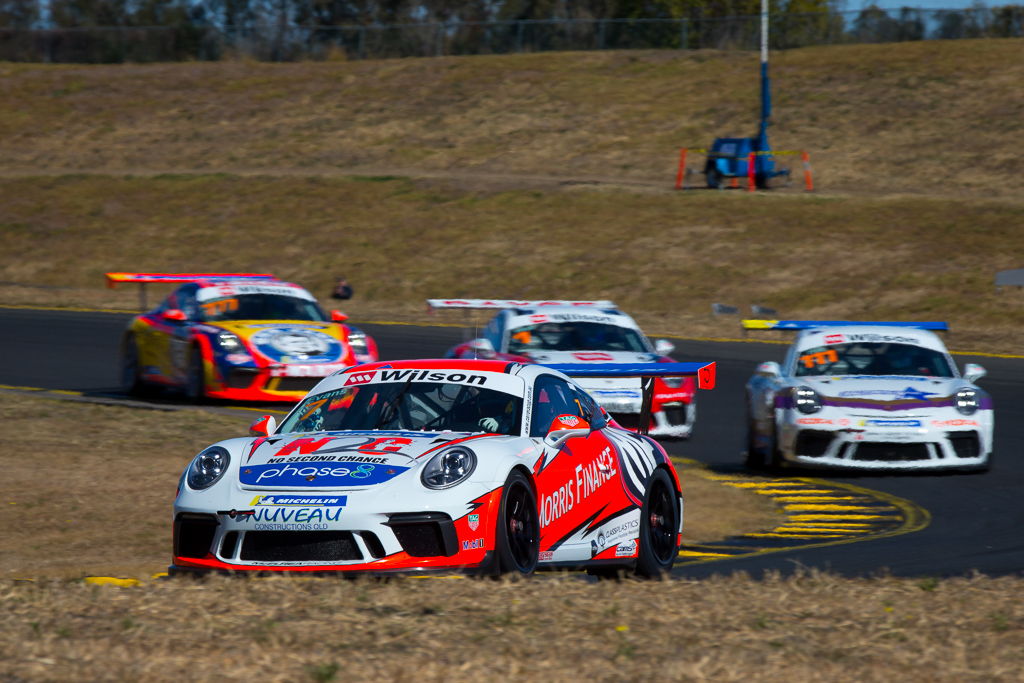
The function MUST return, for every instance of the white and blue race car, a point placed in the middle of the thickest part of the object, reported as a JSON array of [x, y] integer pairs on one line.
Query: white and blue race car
[[870, 396]]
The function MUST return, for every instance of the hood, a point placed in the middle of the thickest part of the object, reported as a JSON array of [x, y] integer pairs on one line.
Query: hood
[[339, 459], [887, 392], [289, 342]]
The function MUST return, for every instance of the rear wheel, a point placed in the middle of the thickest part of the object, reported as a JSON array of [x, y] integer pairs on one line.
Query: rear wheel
[[714, 178], [195, 381], [659, 526], [518, 535]]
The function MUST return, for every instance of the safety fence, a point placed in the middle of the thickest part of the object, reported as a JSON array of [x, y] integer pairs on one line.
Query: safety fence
[[279, 41]]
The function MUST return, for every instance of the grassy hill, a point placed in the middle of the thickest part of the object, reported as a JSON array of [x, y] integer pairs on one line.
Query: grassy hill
[[557, 166]]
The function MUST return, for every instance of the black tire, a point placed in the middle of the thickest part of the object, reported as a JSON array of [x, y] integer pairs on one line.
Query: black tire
[[692, 413], [755, 459], [131, 379], [773, 457], [714, 178], [517, 542], [195, 380], [659, 526]]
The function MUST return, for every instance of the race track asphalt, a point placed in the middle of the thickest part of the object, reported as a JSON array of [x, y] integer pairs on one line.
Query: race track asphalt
[[977, 520]]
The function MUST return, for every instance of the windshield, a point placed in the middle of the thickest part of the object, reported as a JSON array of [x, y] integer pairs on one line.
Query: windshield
[[260, 307], [872, 359], [408, 406], [575, 336]]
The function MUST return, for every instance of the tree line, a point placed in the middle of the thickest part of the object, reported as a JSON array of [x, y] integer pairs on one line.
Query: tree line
[[167, 30]]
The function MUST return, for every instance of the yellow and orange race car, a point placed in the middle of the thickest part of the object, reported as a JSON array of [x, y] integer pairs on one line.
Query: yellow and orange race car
[[247, 337]]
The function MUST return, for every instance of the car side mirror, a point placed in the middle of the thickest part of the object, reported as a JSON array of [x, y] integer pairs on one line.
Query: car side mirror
[[663, 347], [264, 426], [973, 372], [174, 315], [338, 317], [482, 348], [565, 427], [769, 369]]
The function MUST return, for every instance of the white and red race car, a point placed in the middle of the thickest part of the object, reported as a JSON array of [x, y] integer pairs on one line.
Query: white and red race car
[[405, 466], [555, 331]]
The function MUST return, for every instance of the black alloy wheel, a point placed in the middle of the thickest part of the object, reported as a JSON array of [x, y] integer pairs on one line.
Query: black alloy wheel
[[518, 533], [659, 526]]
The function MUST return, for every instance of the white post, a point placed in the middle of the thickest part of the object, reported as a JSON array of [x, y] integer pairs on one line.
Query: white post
[[764, 31]]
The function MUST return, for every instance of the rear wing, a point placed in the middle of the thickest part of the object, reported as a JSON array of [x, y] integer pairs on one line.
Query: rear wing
[[142, 279], [705, 373], [815, 324], [499, 304]]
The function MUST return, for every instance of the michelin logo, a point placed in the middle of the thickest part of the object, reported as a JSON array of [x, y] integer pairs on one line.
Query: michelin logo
[[301, 501]]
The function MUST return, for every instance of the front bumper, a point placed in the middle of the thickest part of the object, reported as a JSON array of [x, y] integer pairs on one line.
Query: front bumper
[[345, 538], [268, 383], [884, 442]]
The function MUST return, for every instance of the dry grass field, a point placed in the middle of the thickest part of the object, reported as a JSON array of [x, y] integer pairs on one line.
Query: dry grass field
[[665, 258], [936, 117], [814, 628]]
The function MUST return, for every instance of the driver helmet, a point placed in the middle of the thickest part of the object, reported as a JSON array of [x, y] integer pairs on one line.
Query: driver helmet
[[901, 357], [550, 335], [859, 357]]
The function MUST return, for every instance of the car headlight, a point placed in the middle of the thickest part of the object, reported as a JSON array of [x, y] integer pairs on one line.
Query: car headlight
[[807, 400], [357, 340], [229, 341], [207, 468], [967, 401], [448, 468]]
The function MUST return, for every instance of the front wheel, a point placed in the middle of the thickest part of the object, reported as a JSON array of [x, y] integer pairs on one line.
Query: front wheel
[[131, 377], [195, 381], [692, 415], [659, 526], [755, 459], [517, 542]]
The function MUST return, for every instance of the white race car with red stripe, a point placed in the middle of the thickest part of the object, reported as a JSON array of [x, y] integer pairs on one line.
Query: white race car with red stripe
[[491, 466], [551, 332]]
